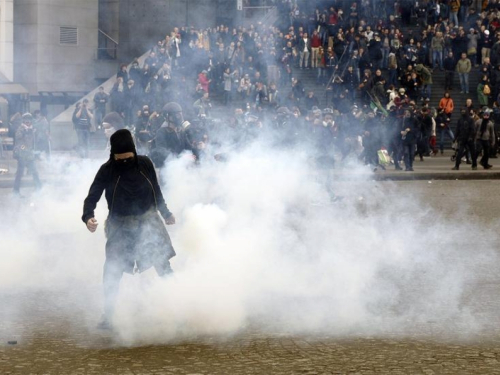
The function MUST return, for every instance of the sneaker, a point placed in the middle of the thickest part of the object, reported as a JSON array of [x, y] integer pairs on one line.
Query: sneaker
[[474, 168], [488, 166], [468, 162], [454, 169]]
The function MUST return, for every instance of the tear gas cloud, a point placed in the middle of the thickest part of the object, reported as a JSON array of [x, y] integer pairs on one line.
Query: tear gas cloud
[[255, 250]]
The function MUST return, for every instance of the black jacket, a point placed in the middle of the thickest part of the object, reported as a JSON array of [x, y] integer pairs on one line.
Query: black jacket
[[107, 180], [449, 64], [414, 134], [172, 141], [466, 129]]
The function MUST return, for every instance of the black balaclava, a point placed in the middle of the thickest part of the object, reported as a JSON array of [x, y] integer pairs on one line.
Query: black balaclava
[[121, 142]]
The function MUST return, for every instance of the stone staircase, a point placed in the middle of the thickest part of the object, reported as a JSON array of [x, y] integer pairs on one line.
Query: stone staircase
[[308, 79], [458, 98]]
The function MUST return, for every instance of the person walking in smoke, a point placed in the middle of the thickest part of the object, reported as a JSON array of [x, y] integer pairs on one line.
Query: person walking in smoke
[[24, 144], [136, 236]]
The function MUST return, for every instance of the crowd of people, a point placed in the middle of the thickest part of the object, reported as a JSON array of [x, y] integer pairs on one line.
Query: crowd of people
[[376, 58]]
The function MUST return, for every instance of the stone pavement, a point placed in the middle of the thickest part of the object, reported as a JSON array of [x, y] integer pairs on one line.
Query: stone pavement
[[53, 338], [54, 343]]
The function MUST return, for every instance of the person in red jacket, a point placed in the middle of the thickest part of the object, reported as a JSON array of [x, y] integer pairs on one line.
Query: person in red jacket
[[203, 80], [315, 44]]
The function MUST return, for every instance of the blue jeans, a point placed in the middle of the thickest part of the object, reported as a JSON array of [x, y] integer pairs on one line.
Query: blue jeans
[[442, 131], [83, 142], [426, 91], [437, 55], [393, 77], [454, 18], [464, 82], [464, 12], [409, 154]]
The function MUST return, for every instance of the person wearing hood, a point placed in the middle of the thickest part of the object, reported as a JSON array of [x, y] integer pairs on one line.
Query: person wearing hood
[[24, 144], [465, 138], [426, 77], [136, 236]]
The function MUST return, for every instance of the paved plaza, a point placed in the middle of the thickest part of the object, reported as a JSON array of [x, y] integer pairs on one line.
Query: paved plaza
[[54, 338]]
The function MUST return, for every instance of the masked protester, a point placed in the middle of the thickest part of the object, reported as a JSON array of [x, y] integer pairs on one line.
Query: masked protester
[[171, 137], [24, 152], [465, 138], [136, 236]]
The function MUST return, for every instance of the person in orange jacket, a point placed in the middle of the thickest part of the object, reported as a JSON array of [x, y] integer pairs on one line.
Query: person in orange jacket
[[446, 103]]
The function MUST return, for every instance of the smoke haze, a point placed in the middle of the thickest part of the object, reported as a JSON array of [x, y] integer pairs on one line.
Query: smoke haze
[[259, 247]]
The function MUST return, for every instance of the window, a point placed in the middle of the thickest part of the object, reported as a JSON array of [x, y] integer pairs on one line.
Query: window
[[68, 35]]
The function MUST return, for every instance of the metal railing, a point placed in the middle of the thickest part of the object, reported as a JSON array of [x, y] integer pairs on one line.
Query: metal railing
[[107, 47], [333, 78]]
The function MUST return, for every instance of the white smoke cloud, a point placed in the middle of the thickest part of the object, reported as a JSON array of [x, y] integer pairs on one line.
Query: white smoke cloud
[[259, 246]]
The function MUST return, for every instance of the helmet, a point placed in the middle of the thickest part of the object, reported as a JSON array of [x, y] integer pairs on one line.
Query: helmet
[[173, 113], [171, 108]]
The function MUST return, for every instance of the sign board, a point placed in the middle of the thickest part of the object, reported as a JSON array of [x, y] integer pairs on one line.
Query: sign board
[[239, 4]]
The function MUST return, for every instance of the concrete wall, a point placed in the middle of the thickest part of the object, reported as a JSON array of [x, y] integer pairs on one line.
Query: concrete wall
[[41, 63], [109, 14], [7, 39]]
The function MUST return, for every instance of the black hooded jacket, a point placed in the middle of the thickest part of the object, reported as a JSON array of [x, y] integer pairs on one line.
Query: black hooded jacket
[[466, 129], [139, 182]]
